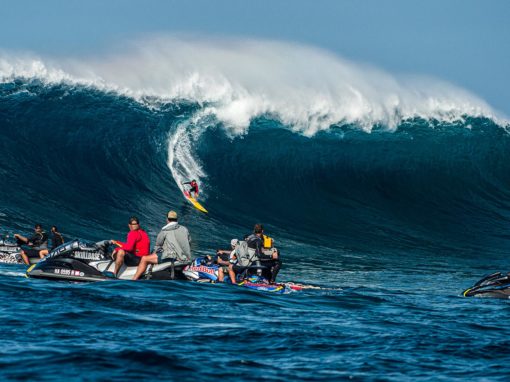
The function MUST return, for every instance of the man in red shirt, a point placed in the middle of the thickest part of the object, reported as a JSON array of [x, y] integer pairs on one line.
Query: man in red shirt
[[138, 245]]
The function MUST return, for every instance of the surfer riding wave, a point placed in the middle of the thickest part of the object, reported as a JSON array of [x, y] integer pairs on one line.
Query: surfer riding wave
[[193, 188]]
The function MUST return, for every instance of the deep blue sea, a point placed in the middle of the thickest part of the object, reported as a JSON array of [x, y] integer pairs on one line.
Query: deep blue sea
[[391, 225]]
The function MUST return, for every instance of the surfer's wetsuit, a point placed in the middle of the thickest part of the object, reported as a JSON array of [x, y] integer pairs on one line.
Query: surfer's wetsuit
[[193, 187]]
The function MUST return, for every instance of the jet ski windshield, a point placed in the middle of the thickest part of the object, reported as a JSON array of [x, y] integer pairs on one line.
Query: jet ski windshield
[[493, 279], [494, 285], [81, 249]]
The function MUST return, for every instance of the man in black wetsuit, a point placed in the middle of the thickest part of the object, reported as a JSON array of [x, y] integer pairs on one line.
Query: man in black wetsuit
[[37, 242], [56, 240], [270, 258]]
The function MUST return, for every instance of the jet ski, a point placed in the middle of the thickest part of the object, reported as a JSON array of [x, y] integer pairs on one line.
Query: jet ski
[[80, 260], [203, 270], [10, 252], [495, 285]]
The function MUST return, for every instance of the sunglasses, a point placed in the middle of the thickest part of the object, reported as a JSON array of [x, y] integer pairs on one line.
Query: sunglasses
[[133, 223]]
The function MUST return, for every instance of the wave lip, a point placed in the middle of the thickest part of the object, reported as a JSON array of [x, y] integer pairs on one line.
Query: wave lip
[[304, 87]]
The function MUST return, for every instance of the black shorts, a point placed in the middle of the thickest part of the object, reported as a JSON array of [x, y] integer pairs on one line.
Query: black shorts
[[32, 253], [131, 260], [239, 269], [223, 257]]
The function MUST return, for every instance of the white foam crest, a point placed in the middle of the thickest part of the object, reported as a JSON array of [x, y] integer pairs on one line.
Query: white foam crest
[[31, 67], [239, 79], [181, 161]]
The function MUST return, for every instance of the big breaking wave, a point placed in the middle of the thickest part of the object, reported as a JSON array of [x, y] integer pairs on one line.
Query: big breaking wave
[[237, 86]]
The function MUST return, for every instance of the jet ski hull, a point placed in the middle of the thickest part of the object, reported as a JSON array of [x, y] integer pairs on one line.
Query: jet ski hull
[[11, 258], [65, 269], [10, 252], [491, 293], [202, 271], [15, 258], [68, 269]]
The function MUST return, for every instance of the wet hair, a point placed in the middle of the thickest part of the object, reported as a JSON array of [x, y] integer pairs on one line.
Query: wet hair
[[54, 227], [134, 218], [258, 228], [38, 226]]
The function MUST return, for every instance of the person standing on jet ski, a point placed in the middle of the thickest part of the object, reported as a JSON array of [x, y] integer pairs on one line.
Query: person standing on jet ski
[[137, 246], [56, 240], [38, 242], [193, 188], [268, 256], [173, 242]]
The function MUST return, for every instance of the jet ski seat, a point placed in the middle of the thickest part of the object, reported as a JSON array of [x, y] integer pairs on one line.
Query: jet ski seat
[[256, 268]]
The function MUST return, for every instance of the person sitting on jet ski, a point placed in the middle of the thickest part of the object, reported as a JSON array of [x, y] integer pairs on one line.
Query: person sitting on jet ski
[[193, 188], [137, 246], [269, 250], [37, 242], [269, 257], [56, 240], [225, 258], [251, 248], [173, 242], [242, 259]]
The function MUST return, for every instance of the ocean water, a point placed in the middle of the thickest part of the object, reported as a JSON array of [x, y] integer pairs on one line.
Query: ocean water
[[390, 207]]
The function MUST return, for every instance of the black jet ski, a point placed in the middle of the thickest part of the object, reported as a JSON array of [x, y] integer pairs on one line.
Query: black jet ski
[[10, 252], [495, 285], [79, 260]]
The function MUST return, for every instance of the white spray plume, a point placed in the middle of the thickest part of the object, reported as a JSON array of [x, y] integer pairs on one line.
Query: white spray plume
[[306, 88]]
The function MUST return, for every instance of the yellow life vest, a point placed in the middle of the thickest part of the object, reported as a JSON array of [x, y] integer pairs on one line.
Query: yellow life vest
[[268, 242]]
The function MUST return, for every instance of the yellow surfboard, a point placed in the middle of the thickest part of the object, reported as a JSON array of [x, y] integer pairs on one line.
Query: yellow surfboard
[[195, 203]]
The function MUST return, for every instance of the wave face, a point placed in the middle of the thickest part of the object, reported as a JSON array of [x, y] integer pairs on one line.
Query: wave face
[[365, 180], [92, 158]]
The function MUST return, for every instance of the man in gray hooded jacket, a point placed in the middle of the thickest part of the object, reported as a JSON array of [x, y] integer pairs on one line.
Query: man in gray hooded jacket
[[172, 242]]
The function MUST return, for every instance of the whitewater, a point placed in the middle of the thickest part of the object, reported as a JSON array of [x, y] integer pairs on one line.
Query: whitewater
[[389, 192], [302, 86]]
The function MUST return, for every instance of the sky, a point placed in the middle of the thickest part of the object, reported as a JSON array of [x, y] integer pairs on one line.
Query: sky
[[464, 42]]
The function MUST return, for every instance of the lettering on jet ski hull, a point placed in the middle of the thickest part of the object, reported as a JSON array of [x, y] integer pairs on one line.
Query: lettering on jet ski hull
[[68, 272], [87, 255], [202, 269], [9, 249]]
